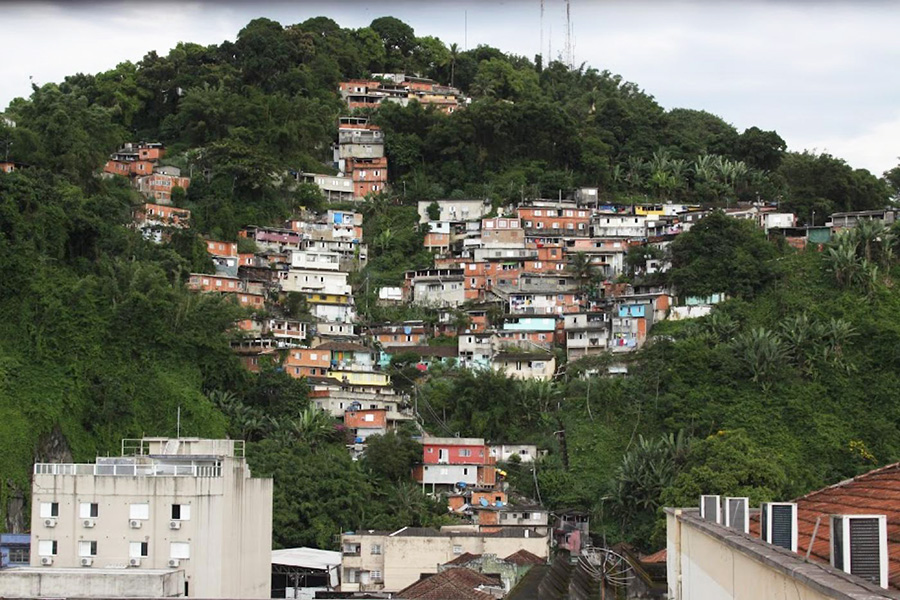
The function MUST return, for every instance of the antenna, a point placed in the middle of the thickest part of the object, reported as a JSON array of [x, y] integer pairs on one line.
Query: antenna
[[541, 47], [568, 34], [178, 423], [466, 27]]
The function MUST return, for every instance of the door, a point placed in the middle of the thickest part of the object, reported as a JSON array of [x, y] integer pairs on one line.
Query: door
[[443, 456]]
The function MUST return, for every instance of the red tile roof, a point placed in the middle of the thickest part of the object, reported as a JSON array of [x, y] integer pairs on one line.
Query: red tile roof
[[458, 583], [657, 557], [874, 493], [463, 559], [524, 557]]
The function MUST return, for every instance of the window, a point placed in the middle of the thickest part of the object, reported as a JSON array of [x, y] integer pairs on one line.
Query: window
[[87, 510], [47, 547], [179, 550], [457, 549], [376, 548], [139, 511], [376, 575], [49, 509], [465, 452], [181, 512], [87, 548], [538, 213], [465, 471]]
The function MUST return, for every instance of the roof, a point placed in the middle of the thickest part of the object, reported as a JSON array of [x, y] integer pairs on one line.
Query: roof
[[523, 356], [657, 557], [524, 557], [463, 559], [343, 347], [453, 584], [875, 492], [308, 558], [436, 351]]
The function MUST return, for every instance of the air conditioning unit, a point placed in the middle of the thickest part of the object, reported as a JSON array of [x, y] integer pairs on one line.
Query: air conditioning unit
[[778, 524], [46, 560], [174, 562], [135, 524], [711, 508], [86, 562], [88, 523], [859, 546], [134, 562], [49, 522], [174, 524], [737, 513]]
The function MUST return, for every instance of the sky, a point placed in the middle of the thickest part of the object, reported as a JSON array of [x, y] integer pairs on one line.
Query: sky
[[824, 74]]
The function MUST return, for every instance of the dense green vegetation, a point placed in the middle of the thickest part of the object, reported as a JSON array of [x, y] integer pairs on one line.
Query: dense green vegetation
[[790, 385]]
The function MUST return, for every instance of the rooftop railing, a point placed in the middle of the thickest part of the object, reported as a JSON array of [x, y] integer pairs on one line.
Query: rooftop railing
[[131, 469]]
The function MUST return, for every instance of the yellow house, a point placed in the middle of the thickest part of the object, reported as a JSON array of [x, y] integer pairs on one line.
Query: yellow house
[[361, 377], [327, 299]]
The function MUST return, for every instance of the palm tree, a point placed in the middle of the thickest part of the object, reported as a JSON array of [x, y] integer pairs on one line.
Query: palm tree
[[454, 54], [383, 240], [583, 270], [760, 350], [313, 426]]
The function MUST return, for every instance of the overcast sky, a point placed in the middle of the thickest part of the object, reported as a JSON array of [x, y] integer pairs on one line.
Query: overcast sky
[[823, 74]]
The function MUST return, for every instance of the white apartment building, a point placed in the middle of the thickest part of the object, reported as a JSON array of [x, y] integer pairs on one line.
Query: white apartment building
[[454, 210], [319, 280], [628, 226], [390, 561], [185, 504]]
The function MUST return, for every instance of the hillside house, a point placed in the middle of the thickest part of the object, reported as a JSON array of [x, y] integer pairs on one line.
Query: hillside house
[[447, 462], [390, 561], [525, 365], [587, 334], [454, 211]]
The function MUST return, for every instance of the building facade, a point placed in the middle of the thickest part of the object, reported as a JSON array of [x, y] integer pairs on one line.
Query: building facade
[[184, 504]]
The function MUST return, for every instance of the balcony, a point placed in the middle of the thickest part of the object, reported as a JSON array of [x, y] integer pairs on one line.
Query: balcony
[[130, 468]]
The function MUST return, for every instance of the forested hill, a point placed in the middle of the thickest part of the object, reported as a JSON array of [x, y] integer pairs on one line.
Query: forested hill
[[100, 340]]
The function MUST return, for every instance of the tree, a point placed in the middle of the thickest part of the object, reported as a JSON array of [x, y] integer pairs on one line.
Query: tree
[[434, 211], [583, 270], [392, 456], [720, 254], [398, 38], [760, 149]]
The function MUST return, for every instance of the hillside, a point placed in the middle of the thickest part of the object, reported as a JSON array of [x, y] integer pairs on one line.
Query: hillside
[[788, 386]]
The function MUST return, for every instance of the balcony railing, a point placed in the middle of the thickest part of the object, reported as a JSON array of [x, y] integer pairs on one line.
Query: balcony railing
[[131, 469]]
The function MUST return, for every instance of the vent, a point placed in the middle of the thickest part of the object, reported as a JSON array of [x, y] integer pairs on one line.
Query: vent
[[49, 522], [778, 524], [46, 560], [88, 523], [737, 514], [174, 562], [174, 524], [87, 562], [711, 508], [134, 562], [859, 546], [134, 524]]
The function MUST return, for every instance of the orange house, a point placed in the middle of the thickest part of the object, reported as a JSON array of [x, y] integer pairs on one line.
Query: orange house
[[555, 221], [217, 248], [373, 418], [140, 167], [162, 213], [369, 175], [307, 362]]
